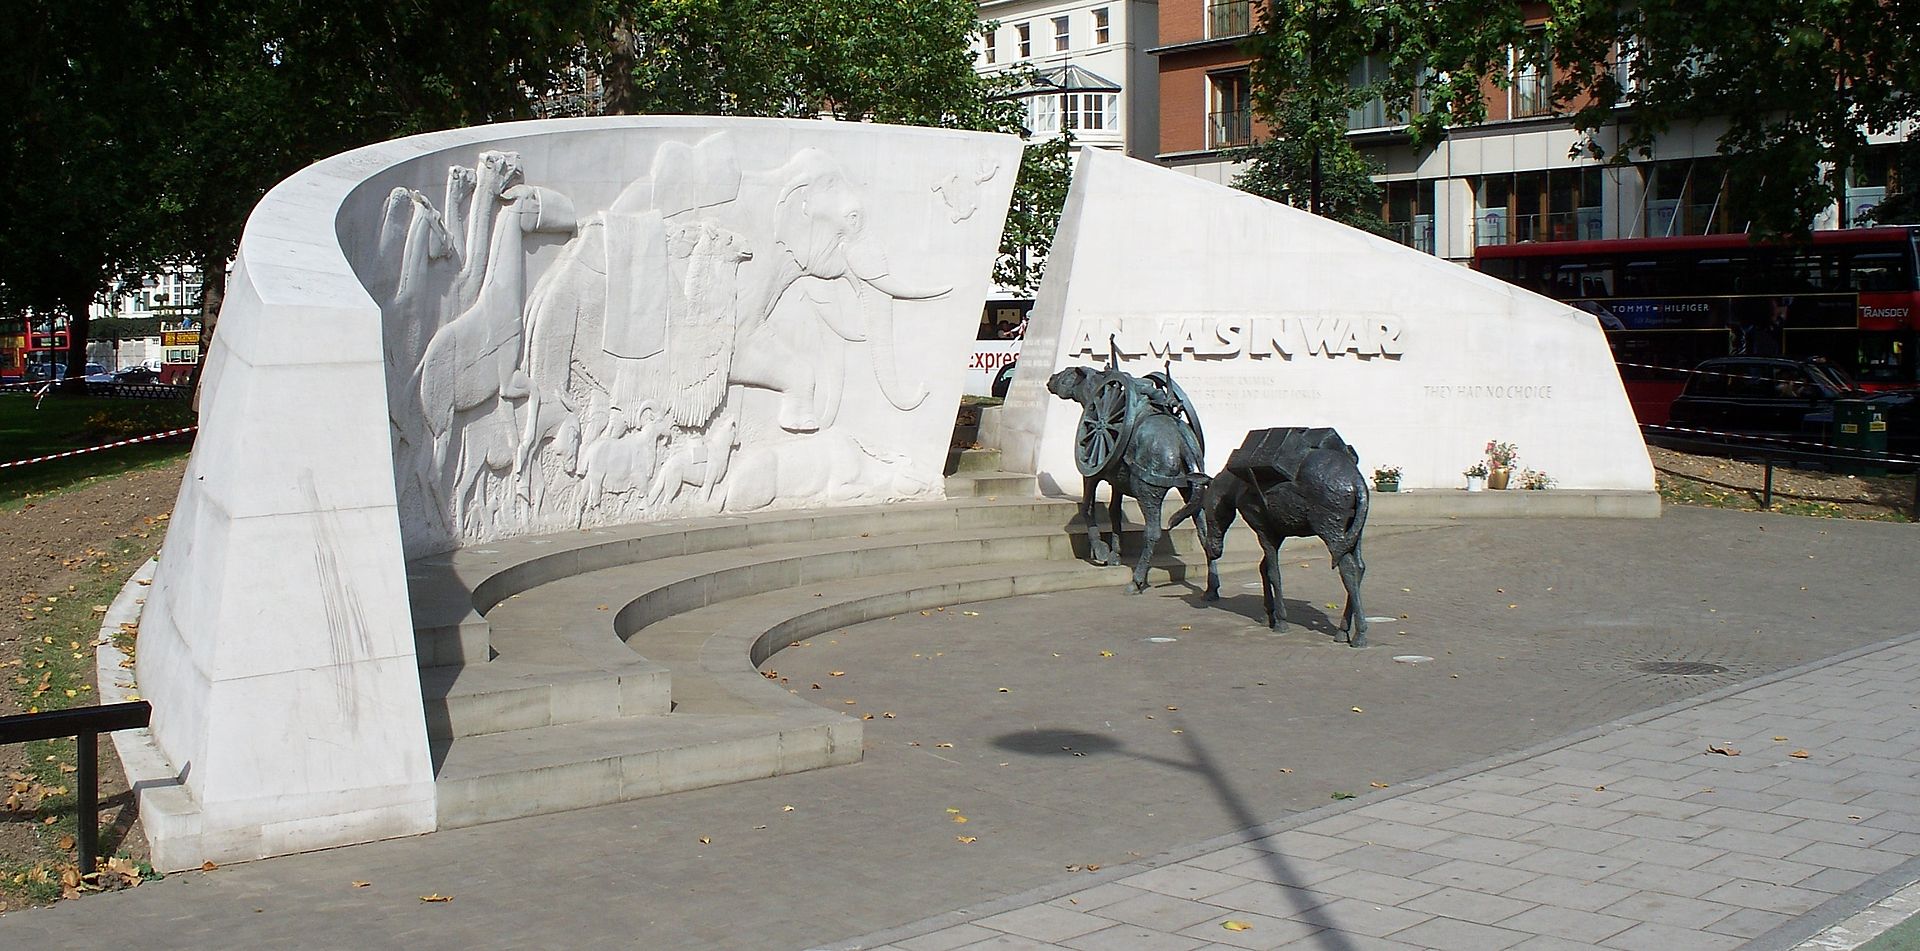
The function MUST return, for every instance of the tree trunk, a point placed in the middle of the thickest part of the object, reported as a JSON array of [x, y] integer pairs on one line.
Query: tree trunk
[[213, 293], [78, 301], [618, 77]]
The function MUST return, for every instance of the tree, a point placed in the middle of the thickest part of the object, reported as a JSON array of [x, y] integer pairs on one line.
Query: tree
[[1902, 205], [1039, 196], [900, 61], [267, 89], [72, 159], [1309, 163], [1799, 84]]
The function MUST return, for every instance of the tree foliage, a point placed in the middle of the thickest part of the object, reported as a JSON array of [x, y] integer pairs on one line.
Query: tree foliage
[[900, 61], [1308, 163], [1039, 196], [149, 130], [1790, 87], [72, 159]]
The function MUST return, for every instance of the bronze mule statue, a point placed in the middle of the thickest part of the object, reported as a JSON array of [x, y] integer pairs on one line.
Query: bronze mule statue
[[1289, 483], [1141, 437]]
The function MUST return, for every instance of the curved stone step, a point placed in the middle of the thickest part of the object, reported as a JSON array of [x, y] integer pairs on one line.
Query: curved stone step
[[572, 766], [451, 592]]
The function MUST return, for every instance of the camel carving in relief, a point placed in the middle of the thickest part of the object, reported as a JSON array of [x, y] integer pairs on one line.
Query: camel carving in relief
[[474, 360]]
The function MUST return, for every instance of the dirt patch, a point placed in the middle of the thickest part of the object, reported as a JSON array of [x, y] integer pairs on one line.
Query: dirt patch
[[66, 554], [1725, 483]]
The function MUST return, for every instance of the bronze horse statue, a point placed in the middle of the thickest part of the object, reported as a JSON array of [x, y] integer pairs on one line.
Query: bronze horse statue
[[1142, 438]]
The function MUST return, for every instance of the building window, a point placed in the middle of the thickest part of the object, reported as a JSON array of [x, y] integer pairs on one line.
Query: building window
[[1043, 114], [1025, 32], [1408, 213], [1229, 18], [1532, 77], [1060, 34], [1088, 111], [1075, 111], [1102, 33], [1523, 207], [1229, 109], [992, 48]]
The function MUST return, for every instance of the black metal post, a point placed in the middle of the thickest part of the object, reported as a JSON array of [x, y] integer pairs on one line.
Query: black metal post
[[1766, 496], [87, 815]]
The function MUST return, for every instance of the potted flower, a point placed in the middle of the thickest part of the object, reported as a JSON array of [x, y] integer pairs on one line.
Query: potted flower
[[1532, 479], [1386, 479], [1500, 459], [1476, 476]]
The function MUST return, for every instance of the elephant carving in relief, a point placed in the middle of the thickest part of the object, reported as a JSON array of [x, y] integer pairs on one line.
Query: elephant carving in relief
[[821, 234]]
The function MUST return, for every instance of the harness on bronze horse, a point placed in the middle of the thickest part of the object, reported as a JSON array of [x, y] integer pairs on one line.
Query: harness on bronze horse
[[1119, 403]]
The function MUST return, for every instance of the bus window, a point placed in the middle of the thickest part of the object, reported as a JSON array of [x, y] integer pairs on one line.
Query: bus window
[[1640, 278], [1884, 357], [1881, 271]]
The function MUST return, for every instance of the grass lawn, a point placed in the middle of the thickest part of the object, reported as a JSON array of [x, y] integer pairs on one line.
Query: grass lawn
[[59, 423]]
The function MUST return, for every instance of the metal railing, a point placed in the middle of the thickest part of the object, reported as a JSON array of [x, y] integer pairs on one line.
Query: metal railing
[[84, 724], [1583, 225], [1417, 235], [1229, 128], [1229, 18]]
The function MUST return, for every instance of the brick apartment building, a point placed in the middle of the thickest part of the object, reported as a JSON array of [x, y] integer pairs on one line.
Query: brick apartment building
[[1511, 179]]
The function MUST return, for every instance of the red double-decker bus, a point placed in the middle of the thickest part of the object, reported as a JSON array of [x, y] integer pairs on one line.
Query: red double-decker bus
[[1848, 297], [27, 354]]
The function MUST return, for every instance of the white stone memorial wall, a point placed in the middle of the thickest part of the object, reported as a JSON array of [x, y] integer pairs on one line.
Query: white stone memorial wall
[[527, 327], [1269, 316]]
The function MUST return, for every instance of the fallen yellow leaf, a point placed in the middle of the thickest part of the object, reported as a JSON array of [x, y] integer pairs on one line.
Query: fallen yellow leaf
[[836, 673], [960, 819], [360, 884], [705, 840], [1723, 750], [971, 613], [965, 839], [1103, 654], [952, 811], [436, 898], [1232, 925], [1378, 785], [208, 866], [1799, 754], [1358, 710], [1003, 690], [786, 808], [943, 746]]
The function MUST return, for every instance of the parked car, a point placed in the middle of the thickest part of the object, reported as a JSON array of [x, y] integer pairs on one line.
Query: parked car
[[98, 373], [135, 375], [1778, 396]]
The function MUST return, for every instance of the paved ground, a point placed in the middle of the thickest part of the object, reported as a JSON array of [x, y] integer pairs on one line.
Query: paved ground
[[1095, 811]]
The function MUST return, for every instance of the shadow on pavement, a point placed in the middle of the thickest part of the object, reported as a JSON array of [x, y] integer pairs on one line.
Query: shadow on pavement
[[1065, 742]]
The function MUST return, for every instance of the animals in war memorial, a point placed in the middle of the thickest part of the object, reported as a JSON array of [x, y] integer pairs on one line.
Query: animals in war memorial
[[1142, 437], [1286, 483]]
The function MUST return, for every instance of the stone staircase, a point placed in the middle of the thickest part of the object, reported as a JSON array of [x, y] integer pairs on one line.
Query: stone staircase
[[590, 667]]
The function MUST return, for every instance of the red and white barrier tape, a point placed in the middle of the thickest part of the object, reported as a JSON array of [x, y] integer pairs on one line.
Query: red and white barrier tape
[[112, 445]]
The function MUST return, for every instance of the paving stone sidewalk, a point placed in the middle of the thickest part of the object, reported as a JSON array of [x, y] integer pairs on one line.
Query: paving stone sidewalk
[[1641, 835]]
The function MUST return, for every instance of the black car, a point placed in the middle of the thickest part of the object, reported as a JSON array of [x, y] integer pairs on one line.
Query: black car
[[1777, 396]]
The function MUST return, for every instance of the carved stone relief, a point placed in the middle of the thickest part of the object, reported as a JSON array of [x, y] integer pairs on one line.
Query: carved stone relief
[[685, 351]]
